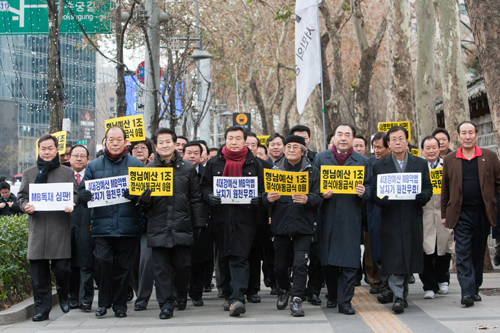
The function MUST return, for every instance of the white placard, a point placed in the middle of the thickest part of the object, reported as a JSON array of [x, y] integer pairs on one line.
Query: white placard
[[51, 197], [399, 186], [235, 190], [107, 191]]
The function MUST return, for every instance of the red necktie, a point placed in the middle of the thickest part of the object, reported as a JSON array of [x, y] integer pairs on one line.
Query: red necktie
[[78, 178]]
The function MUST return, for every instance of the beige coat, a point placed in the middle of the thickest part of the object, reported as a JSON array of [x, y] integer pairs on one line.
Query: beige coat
[[49, 233], [434, 231]]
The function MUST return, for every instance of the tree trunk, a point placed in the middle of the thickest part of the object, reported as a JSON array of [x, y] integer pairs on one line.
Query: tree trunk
[[55, 85], [260, 106], [455, 99], [425, 81], [485, 23], [121, 105], [366, 65], [400, 91]]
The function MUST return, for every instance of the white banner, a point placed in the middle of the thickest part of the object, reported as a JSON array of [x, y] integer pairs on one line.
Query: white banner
[[235, 190], [107, 191], [51, 197], [307, 50], [399, 186]]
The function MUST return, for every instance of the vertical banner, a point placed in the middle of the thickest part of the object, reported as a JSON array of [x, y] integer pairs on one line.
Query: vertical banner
[[132, 125], [235, 190], [107, 191], [307, 50], [61, 141], [399, 186], [51, 197], [341, 179], [386, 126], [158, 180], [436, 180], [286, 182]]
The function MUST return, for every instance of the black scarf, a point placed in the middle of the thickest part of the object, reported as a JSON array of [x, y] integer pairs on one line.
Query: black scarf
[[45, 167]]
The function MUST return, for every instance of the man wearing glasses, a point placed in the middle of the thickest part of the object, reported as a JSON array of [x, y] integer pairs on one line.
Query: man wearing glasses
[[401, 229]]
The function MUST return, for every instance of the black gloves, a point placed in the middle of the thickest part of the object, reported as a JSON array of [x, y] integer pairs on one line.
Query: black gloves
[[384, 202], [421, 199], [214, 200], [127, 195], [257, 201], [85, 195], [145, 199]]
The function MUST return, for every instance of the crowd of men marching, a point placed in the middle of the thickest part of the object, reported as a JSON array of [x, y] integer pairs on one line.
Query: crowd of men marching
[[174, 243]]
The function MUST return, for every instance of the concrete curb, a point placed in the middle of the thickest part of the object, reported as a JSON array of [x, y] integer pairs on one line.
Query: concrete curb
[[22, 311]]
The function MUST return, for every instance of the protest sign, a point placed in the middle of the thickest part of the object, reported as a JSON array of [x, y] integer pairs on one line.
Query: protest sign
[[132, 125], [61, 142], [415, 152], [158, 180], [235, 190], [341, 179], [263, 139], [51, 197], [285, 182], [399, 186], [386, 126], [107, 191], [436, 180]]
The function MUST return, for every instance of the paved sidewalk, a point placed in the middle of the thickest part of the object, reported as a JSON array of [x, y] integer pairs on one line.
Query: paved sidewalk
[[443, 314]]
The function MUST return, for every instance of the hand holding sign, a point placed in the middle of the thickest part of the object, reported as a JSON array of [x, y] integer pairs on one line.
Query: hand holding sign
[[29, 208], [360, 190], [299, 198], [273, 196]]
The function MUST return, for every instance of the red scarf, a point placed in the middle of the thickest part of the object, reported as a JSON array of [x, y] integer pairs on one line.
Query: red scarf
[[234, 162], [115, 158], [341, 158]]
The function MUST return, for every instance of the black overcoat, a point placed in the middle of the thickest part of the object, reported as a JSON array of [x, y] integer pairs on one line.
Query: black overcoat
[[82, 242], [401, 229]]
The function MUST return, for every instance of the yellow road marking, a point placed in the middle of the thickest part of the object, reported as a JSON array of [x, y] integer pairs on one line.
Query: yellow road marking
[[376, 315]]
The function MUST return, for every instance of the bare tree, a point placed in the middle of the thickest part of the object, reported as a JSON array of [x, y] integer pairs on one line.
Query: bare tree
[[55, 84]]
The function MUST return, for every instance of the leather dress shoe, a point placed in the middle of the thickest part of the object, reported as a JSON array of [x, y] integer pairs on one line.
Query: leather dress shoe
[[101, 311], [197, 302], [331, 304], [226, 305], [467, 301], [374, 290], [166, 314], [86, 307], [64, 304], [384, 299], [207, 289], [398, 306], [347, 310], [74, 305], [274, 291], [130, 294], [181, 304], [40, 317], [120, 313], [405, 302], [357, 283], [139, 307], [314, 299], [412, 279], [477, 298], [253, 298], [220, 294]]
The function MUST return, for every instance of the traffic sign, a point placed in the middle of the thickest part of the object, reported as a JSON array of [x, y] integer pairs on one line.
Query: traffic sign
[[81, 142], [140, 72], [30, 17], [243, 119]]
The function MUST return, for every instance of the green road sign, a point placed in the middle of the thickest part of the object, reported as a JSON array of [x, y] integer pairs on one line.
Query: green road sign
[[30, 17], [81, 142]]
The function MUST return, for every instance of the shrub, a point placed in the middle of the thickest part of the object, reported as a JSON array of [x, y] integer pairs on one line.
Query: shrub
[[15, 281]]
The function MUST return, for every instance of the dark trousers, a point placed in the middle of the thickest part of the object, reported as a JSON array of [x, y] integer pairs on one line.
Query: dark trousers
[[370, 267], [165, 262], [234, 272], [209, 273], [254, 264], [285, 247], [384, 280], [198, 277], [42, 286], [81, 285], [268, 266], [315, 271], [436, 270], [471, 234], [113, 259], [145, 273], [340, 282]]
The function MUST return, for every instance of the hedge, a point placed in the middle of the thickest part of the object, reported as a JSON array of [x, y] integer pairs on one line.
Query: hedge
[[15, 281]]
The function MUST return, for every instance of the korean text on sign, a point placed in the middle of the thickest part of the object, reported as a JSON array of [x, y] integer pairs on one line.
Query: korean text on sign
[[235, 190], [385, 127], [132, 125], [107, 191], [341, 179], [61, 140], [286, 183], [399, 186], [158, 180], [263, 139], [51, 197], [436, 180]]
